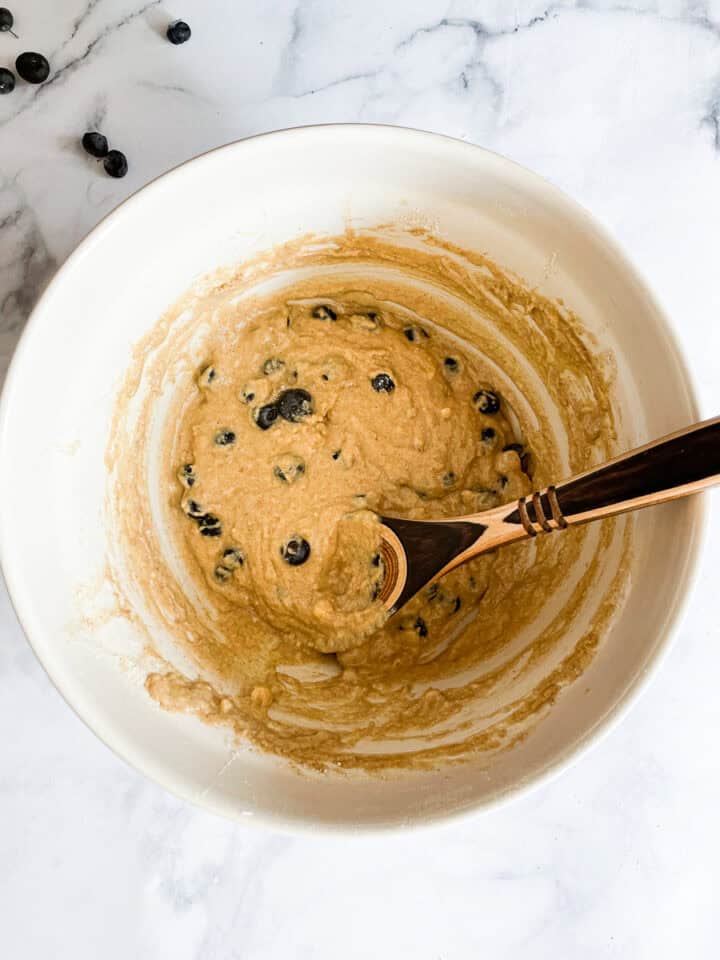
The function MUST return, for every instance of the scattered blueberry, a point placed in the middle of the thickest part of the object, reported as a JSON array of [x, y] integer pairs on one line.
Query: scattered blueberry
[[517, 447], [209, 525], [193, 509], [247, 396], [294, 404], [324, 376], [115, 164], [222, 573], [186, 475], [488, 434], [224, 438], [266, 416], [420, 627], [233, 557], [7, 81], [486, 401], [32, 67], [272, 365], [289, 468], [324, 313], [178, 32], [295, 551], [451, 365], [95, 144], [376, 560], [336, 455], [6, 22], [383, 383]]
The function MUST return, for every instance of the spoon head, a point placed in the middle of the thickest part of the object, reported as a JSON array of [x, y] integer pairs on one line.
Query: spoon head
[[416, 552]]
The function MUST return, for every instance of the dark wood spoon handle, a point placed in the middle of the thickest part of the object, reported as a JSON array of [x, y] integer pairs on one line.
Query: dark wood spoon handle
[[683, 463]]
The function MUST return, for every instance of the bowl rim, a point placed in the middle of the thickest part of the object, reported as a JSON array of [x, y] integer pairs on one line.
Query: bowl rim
[[300, 823]]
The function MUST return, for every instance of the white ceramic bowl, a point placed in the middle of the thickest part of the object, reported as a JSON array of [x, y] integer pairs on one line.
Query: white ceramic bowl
[[215, 210]]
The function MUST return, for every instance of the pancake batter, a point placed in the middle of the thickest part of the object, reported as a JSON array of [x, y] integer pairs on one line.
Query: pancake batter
[[300, 410]]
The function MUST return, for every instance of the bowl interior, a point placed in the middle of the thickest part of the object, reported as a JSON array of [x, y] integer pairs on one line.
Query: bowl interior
[[218, 209]]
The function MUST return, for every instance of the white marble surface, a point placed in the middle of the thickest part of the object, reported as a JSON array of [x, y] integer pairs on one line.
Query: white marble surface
[[617, 103]]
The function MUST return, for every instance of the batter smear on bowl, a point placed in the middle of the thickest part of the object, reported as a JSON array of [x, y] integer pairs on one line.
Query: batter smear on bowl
[[272, 414]]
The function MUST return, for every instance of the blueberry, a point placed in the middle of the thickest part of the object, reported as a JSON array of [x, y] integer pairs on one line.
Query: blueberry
[[7, 81], [486, 401], [413, 334], [186, 475], [6, 22], [294, 404], [222, 573], [488, 434], [266, 416], [233, 557], [448, 479], [178, 32], [207, 376], [193, 509], [115, 164], [289, 468], [32, 67], [224, 438], [336, 455], [95, 144], [272, 365], [247, 396], [451, 365], [376, 560], [324, 313], [517, 447], [211, 531], [209, 525], [383, 383], [295, 551], [420, 627]]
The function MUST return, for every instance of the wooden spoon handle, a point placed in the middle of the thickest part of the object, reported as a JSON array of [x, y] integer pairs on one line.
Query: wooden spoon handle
[[678, 465]]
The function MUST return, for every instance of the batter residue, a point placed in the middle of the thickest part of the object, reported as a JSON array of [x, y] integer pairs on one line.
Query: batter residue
[[272, 414]]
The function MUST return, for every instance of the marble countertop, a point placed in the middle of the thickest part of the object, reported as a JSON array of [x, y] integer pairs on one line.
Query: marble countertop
[[618, 103]]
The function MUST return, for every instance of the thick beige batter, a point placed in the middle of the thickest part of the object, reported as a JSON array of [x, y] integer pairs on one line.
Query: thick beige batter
[[398, 376]]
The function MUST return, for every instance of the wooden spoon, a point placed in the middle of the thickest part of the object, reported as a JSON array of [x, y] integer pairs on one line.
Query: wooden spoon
[[418, 552]]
